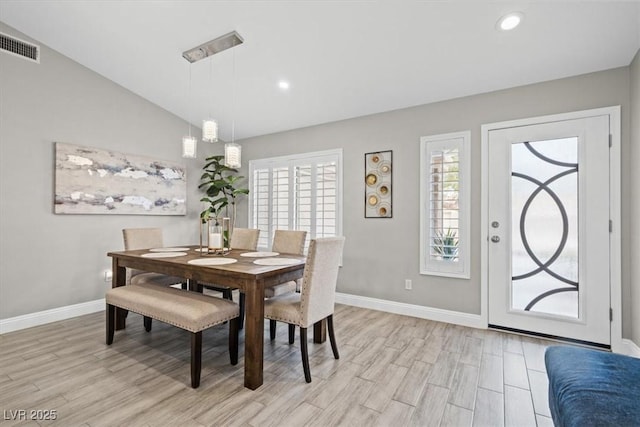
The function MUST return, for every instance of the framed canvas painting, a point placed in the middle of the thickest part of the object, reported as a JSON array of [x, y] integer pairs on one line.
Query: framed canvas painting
[[96, 181]]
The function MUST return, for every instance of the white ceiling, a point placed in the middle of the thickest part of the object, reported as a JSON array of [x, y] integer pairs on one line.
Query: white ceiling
[[343, 59]]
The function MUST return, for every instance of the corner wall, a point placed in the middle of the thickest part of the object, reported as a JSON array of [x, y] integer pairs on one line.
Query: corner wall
[[634, 210]]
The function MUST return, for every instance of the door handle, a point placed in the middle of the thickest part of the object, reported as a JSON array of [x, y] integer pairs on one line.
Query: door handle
[[495, 239]]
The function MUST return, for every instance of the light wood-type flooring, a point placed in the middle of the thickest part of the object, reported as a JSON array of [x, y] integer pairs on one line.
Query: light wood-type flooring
[[393, 371]]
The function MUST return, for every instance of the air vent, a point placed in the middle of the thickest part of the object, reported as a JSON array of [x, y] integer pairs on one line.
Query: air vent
[[17, 47]]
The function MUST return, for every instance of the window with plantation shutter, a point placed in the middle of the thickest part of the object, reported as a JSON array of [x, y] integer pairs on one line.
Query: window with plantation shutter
[[444, 199], [299, 192]]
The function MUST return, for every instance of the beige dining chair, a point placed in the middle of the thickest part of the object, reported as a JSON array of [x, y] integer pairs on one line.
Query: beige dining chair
[[286, 242], [243, 239], [316, 299], [147, 238]]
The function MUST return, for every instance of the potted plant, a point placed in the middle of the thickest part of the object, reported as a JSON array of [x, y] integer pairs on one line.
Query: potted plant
[[221, 185], [446, 244]]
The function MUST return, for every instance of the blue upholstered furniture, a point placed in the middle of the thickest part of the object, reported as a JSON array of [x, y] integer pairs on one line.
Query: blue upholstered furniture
[[592, 388]]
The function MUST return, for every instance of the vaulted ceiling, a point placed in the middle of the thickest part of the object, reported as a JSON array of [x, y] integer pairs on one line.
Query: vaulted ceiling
[[342, 59]]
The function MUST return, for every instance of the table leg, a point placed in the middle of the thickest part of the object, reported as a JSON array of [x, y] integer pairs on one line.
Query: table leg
[[320, 331], [253, 335], [119, 278], [194, 286]]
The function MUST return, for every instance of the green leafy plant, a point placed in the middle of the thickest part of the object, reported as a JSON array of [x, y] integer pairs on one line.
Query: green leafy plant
[[445, 245], [222, 187]]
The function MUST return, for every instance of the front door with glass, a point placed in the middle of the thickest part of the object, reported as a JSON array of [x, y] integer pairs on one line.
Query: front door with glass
[[549, 244]]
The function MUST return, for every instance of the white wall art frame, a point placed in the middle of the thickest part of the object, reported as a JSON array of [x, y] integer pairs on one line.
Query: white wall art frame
[[96, 181]]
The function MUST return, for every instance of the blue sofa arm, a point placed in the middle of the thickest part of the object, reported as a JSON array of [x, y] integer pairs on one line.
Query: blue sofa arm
[[592, 388]]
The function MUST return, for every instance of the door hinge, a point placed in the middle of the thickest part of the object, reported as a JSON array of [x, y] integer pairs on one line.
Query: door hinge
[[610, 314], [610, 226], [610, 140]]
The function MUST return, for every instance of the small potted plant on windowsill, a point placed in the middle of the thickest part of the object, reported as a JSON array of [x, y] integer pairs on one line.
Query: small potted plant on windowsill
[[445, 245], [222, 187]]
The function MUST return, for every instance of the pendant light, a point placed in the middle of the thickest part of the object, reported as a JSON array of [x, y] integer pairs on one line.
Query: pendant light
[[189, 143], [233, 151], [210, 126]]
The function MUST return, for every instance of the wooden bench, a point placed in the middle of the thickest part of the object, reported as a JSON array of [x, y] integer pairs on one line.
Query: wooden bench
[[190, 311]]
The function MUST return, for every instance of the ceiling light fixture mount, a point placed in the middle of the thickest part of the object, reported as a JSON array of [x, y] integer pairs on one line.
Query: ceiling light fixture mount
[[509, 21], [212, 47]]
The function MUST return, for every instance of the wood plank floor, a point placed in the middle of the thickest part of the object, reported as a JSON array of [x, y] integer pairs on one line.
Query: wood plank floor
[[393, 371]]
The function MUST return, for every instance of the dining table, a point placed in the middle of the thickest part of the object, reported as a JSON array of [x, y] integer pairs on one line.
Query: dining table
[[238, 269]]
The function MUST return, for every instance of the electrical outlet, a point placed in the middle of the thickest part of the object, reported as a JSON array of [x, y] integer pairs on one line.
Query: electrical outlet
[[108, 274], [407, 284]]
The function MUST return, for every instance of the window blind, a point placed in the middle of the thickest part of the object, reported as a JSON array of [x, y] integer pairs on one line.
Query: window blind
[[300, 192]]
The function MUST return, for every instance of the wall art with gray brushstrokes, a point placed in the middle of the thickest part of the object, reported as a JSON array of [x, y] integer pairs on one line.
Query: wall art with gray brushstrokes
[[95, 181]]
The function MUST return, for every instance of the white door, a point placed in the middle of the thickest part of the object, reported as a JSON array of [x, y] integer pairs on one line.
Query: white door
[[548, 229]]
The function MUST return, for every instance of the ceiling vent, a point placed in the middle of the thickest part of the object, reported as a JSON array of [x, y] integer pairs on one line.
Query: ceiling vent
[[17, 47]]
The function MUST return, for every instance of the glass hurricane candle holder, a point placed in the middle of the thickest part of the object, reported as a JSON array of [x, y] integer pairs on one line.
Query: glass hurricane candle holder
[[214, 236]]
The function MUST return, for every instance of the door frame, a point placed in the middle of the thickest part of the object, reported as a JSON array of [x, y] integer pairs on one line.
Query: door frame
[[615, 262]]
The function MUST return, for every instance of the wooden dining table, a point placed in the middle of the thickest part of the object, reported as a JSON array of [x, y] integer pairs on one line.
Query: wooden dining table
[[245, 275]]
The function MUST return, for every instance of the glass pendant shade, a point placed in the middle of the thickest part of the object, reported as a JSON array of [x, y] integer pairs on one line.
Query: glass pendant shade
[[232, 155], [209, 130], [189, 145]]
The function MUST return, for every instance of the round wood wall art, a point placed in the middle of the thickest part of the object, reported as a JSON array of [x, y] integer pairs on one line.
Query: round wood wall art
[[378, 180]]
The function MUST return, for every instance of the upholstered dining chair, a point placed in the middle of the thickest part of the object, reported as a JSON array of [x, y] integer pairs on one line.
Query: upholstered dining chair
[[147, 238], [286, 242], [316, 299], [243, 239]]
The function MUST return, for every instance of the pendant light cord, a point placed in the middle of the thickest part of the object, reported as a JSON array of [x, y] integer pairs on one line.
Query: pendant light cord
[[233, 101], [189, 102], [211, 84]]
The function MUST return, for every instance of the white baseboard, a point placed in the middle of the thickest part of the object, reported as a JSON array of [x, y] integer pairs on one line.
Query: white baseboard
[[40, 318], [437, 314], [630, 348]]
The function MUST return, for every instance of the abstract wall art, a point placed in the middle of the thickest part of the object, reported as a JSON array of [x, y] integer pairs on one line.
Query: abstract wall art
[[377, 178], [95, 181]]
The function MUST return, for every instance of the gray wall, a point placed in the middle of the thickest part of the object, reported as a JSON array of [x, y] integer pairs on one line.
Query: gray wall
[[47, 260], [634, 210], [381, 253]]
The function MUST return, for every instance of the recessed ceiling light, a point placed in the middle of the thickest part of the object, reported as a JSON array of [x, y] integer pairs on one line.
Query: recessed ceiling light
[[283, 85], [509, 21]]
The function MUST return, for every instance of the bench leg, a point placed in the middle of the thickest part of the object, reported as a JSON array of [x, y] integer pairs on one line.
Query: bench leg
[[196, 358], [233, 340], [111, 323], [147, 323]]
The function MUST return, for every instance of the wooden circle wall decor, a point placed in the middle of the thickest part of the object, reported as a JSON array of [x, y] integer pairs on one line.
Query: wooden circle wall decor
[[378, 186]]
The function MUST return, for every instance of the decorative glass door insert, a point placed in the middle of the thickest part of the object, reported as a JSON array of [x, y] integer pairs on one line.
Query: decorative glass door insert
[[544, 221]]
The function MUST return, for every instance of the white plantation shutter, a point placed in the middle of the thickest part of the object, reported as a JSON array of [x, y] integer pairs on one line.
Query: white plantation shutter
[[300, 192], [444, 199]]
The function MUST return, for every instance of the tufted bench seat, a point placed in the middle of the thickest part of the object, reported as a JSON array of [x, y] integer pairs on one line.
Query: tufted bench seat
[[592, 388], [190, 311]]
